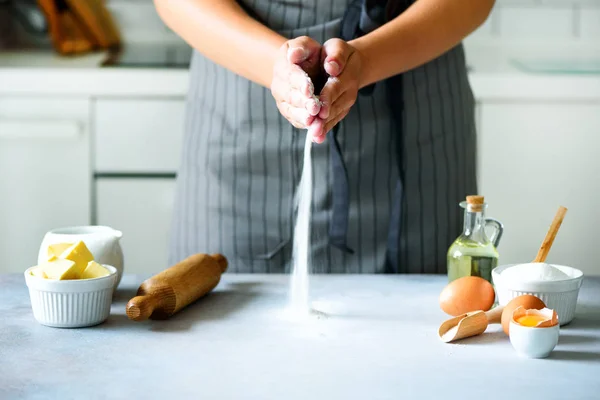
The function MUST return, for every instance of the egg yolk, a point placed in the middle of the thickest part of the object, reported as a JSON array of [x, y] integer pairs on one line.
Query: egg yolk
[[530, 320]]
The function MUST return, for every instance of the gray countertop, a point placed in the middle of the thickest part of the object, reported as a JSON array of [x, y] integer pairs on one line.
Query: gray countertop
[[378, 341]]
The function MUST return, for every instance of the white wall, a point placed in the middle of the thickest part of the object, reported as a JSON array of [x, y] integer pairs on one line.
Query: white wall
[[547, 20], [510, 19], [564, 19], [138, 21], [517, 137]]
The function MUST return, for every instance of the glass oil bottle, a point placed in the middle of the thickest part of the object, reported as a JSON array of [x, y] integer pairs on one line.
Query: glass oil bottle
[[473, 253]]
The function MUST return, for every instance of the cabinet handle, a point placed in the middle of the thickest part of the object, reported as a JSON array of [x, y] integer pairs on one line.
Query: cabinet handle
[[40, 129]]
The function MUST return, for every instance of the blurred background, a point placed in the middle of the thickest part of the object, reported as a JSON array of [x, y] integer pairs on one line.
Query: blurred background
[[91, 121]]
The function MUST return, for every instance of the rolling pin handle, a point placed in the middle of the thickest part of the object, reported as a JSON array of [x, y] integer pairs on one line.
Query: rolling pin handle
[[221, 260], [140, 308]]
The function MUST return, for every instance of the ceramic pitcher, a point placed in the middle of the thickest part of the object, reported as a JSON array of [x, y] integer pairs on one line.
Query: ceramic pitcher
[[102, 241]]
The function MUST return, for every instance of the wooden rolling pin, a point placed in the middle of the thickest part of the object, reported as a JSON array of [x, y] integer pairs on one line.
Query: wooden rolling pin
[[171, 290]]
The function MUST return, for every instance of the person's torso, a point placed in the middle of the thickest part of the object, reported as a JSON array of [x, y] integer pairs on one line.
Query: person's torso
[[242, 160], [286, 16]]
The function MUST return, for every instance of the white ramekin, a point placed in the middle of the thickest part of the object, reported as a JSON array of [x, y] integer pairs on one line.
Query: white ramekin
[[560, 296], [71, 303], [533, 342]]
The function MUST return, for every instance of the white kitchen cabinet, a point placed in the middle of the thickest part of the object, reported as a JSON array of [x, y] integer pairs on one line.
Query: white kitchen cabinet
[[45, 173], [141, 209], [138, 135], [534, 157]]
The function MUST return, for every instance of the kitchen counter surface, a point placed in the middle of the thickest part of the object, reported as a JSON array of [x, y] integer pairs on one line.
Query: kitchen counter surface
[[494, 74], [378, 341]]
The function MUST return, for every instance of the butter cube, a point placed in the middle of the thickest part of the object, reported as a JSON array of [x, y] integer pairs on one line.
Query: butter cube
[[60, 269], [55, 250], [94, 270], [39, 272], [79, 254]]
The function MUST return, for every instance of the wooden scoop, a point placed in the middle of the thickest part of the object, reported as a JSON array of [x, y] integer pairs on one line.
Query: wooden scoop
[[549, 239], [469, 324]]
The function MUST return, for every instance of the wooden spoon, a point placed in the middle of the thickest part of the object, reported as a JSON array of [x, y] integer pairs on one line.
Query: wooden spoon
[[549, 239], [469, 324]]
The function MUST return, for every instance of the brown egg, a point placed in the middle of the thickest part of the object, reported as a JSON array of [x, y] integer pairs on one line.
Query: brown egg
[[466, 294], [527, 301]]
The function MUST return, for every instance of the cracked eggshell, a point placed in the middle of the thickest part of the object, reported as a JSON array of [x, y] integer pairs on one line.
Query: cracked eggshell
[[550, 316], [526, 301]]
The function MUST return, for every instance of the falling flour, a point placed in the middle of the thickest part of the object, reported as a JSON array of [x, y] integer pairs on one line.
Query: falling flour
[[299, 293], [300, 306]]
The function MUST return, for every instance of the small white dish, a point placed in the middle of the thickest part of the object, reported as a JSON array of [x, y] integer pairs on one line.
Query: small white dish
[[73, 303], [533, 342], [557, 295]]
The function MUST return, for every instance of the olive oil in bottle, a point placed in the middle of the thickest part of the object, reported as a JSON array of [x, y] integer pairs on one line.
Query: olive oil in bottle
[[473, 253]]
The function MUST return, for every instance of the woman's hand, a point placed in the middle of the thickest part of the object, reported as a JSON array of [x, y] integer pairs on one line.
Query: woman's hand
[[298, 59], [343, 64]]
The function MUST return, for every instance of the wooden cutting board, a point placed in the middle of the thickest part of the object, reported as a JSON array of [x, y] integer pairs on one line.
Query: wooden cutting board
[[98, 21], [78, 26]]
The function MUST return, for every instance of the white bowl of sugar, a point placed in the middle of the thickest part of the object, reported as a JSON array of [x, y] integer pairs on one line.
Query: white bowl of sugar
[[556, 285]]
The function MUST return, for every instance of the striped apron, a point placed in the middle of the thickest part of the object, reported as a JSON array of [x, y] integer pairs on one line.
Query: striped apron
[[241, 164]]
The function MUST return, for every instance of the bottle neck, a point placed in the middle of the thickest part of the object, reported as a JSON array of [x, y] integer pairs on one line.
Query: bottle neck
[[474, 226]]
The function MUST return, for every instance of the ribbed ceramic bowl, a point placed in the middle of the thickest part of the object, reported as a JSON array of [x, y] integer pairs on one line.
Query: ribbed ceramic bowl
[[557, 295], [71, 303]]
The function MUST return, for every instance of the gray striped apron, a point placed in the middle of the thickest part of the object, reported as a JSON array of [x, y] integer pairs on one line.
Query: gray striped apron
[[241, 164]]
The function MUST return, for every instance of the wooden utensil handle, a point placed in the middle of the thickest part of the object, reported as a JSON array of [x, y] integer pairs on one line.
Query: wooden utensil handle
[[494, 316], [140, 308], [550, 236]]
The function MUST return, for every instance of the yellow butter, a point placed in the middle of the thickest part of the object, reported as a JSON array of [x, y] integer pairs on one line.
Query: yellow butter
[[94, 270], [38, 271], [55, 250], [60, 269], [78, 253]]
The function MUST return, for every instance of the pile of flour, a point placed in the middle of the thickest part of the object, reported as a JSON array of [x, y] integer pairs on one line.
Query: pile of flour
[[534, 272]]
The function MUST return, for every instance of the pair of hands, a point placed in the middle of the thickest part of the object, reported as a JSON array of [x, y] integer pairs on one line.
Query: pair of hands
[[334, 70]]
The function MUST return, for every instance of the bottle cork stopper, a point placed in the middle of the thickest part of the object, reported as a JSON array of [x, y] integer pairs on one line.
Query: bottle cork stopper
[[476, 202]]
